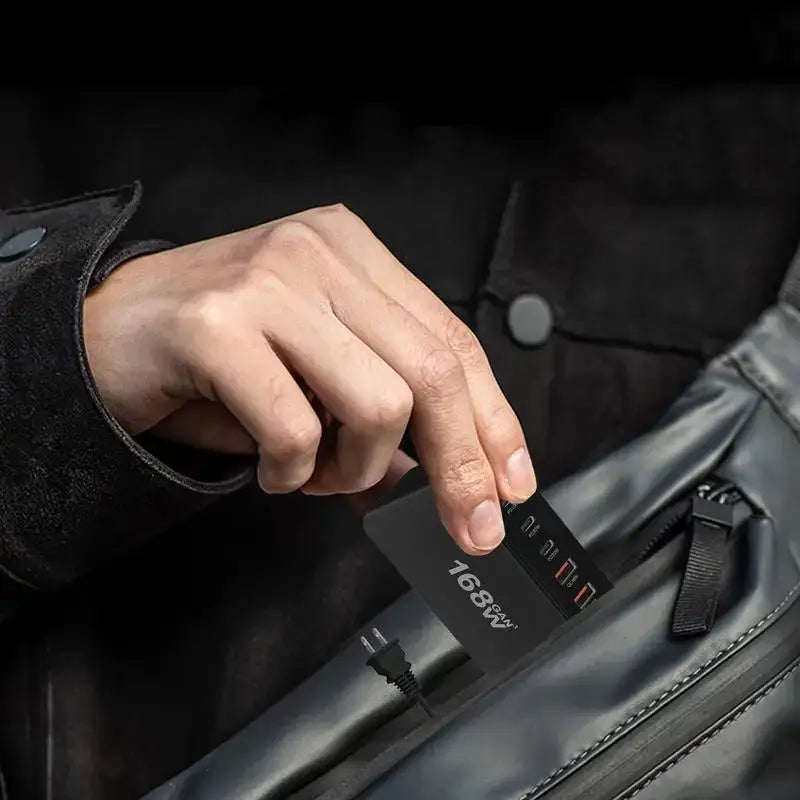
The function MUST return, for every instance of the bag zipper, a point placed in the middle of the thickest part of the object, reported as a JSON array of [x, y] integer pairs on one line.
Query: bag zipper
[[671, 521], [712, 490], [710, 514]]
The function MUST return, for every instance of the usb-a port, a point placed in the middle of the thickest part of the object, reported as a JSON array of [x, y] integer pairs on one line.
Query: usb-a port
[[565, 571], [585, 595]]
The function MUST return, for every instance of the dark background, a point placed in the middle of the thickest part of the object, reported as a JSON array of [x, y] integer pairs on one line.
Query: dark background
[[658, 156]]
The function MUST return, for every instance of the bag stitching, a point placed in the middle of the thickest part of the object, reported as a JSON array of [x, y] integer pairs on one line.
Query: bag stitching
[[708, 737], [549, 779], [777, 397]]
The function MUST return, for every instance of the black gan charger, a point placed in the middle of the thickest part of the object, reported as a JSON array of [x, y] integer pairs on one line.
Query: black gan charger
[[501, 605]]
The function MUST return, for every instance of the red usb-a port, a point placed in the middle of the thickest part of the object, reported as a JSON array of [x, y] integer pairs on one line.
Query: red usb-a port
[[565, 571], [585, 595]]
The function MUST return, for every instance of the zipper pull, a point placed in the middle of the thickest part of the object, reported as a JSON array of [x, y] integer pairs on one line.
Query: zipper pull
[[711, 521]]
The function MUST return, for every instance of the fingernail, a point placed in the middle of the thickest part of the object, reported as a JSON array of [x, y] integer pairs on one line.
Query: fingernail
[[486, 526], [519, 474]]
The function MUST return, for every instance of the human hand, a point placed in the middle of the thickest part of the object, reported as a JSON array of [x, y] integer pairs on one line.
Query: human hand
[[306, 341]]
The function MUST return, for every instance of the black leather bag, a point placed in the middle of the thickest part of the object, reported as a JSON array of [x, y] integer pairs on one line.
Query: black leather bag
[[677, 683]]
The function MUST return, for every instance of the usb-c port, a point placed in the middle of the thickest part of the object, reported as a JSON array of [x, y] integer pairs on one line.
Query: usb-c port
[[585, 595], [565, 571], [547, 547]]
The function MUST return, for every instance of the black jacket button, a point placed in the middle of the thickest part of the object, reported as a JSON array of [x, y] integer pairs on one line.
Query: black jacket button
[[19, 244], [530, 319]]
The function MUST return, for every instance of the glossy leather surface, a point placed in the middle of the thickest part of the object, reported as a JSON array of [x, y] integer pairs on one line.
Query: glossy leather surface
[[613, 669], [308, 727], [730, 754]]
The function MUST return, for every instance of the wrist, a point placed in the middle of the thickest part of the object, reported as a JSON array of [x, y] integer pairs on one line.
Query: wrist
[[120, 317]]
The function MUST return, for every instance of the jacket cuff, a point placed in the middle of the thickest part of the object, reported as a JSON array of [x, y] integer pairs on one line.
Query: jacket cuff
[[75, 488], [120, 252]]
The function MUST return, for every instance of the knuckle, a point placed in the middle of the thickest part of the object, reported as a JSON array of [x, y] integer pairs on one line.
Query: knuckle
[[500, 424], [462, 340], [466, 474], [391, 409], [298, 439], [205, 316], [291, 238], [441, 372], [263, 280]]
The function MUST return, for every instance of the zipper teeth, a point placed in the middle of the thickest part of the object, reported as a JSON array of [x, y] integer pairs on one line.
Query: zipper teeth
[[722, 492], [663, 535]]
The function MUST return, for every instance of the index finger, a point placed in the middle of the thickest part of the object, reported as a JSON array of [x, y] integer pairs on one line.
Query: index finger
[[498, 427], [442, 422]]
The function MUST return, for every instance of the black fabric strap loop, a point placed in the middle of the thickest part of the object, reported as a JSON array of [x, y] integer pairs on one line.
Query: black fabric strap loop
[[696, 606]]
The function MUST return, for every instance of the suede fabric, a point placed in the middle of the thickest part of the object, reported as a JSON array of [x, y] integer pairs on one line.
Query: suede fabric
[[75, 489]]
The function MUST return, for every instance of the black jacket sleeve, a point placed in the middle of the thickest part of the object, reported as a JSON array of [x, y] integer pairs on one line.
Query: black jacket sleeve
[[75, 489]]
